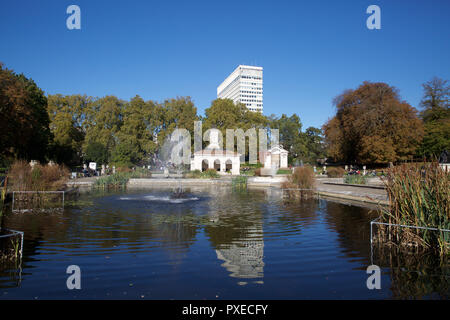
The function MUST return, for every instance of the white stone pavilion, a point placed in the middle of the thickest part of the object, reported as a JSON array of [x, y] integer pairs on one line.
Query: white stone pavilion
[[214, 157], [274, 157]]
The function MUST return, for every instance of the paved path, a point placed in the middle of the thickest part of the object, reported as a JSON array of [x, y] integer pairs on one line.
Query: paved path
[[371, 195]]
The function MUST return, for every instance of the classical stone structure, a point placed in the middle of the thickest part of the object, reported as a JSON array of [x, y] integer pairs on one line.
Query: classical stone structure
[[274, 157], [214, 157]]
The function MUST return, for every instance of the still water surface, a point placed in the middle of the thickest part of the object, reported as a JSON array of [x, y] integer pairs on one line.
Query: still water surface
[[214, 243]]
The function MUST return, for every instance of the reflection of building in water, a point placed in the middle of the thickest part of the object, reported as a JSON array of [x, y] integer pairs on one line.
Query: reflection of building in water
[[244, 258]]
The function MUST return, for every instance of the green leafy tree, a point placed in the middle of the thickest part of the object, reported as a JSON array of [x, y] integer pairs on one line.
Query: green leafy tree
[[125, 154], [224, 114], [291, 137], [24, 129], [314, 144], [104, 118], [176, 113], [436, 117], [96, 152], [138, 131], [67, 115]]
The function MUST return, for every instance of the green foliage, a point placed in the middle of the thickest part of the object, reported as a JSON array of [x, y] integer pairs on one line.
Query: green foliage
[[315, 146], [67, 115], [436, 117], [24, 129], [137, 132], [284, 171], [239, 182], [211, 173], [96, 152], [207, 174], [291, 136], [196, 174], [355, 179], [119, 179]]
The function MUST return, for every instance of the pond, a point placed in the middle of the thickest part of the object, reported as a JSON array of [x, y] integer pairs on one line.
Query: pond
[[213, 243]]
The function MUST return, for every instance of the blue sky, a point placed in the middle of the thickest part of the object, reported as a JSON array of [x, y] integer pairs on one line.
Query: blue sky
[[310, 50]]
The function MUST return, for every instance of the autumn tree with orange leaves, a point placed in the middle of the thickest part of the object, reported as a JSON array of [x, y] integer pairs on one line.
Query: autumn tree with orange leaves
[[372, 125]]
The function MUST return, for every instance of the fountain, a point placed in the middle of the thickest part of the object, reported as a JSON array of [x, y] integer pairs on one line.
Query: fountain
[[164, 158]]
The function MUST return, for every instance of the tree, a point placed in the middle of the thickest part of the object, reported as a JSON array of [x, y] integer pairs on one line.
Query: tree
[[103, 120], [140, 120], [96, 152], [436, 117], [291, 136], [68, 119], [314, 145], [24, 129], [372, 125], [175, 113], [224, 114]]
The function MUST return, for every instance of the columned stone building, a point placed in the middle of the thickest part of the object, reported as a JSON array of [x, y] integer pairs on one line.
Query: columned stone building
[[214, 157]]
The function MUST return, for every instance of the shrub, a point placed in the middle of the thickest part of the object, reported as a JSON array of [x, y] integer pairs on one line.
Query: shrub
[[38, 178], [197, 174], [335, 172], [211, 173], [302, 178]]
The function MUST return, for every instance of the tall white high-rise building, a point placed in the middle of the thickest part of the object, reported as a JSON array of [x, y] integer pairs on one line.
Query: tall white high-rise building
[[245, 85]]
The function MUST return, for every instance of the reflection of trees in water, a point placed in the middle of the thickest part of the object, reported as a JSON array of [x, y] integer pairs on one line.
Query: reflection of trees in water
[[300, 213], [352, 224], [414, 276]]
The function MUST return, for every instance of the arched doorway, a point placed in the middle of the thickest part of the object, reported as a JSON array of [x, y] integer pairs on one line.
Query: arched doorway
[[228, 165], [205, 165], [217, 165]]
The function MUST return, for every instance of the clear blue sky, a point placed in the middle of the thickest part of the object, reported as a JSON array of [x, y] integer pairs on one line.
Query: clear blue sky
[[310, 50]]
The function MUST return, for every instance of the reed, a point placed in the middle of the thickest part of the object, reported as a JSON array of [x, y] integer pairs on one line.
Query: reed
[[419, 195], [239, 182], [37, 178]]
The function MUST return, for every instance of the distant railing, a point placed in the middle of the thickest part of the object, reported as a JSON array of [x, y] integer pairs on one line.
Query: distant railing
[[35, 192]]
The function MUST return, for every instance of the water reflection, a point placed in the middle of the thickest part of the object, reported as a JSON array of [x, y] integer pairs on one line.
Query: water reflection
[[217, 239]]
